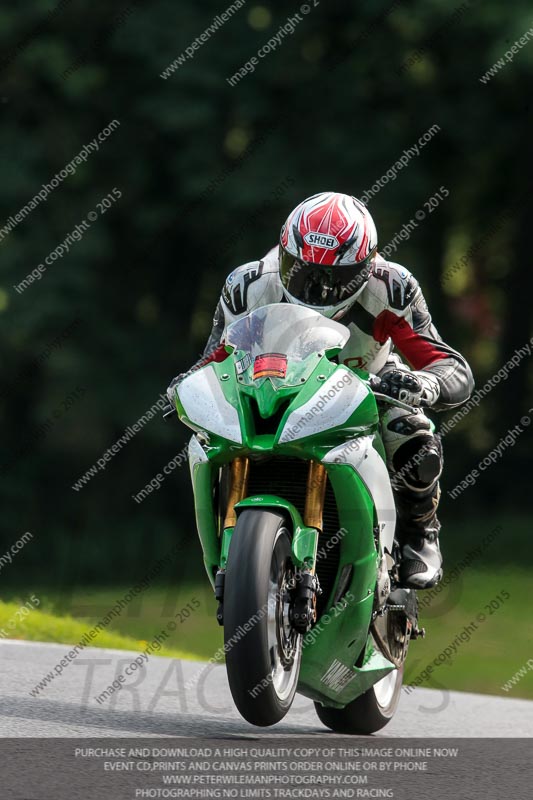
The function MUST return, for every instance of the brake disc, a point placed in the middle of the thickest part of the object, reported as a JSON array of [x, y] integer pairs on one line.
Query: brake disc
[[391, 630]]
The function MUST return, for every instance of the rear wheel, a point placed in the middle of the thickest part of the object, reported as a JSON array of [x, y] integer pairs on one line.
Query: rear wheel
[[263, 651], [368, 713]]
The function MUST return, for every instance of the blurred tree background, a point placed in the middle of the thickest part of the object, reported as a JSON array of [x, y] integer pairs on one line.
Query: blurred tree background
[[208, 172]]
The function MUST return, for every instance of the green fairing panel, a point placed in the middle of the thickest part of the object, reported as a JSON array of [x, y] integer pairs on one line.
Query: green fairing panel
[[202, 479], [343, 629], [313, 677]]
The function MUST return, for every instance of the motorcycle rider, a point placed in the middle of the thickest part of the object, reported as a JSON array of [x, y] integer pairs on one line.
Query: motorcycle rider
[[327, 260]]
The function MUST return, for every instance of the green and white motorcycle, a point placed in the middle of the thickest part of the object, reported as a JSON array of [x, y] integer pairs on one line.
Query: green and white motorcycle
[[296, 519]]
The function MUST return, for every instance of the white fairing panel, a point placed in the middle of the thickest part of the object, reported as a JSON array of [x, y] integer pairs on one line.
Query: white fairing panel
[[205, 405], [371, 468], [197, 455], [336, 401]]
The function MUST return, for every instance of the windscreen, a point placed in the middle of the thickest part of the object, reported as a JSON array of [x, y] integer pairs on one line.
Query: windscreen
[[292, 330], [274, 340]]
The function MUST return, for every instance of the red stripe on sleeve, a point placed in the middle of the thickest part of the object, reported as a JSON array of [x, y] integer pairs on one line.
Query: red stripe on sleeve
[[414, 347]]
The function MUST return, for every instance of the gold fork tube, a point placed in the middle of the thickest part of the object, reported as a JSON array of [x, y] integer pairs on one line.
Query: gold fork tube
[[316, 491], [240, 470]]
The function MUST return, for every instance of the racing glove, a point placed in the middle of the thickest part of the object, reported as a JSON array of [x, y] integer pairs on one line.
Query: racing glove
[[414, 388]]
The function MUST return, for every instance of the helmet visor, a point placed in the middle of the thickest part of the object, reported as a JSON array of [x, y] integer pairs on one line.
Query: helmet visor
[[319, 285]]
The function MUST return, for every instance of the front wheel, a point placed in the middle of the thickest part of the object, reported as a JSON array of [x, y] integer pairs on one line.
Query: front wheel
[[263, 651], [370, 711]]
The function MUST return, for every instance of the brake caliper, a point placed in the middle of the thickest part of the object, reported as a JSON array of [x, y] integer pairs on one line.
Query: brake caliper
[[302, 612]]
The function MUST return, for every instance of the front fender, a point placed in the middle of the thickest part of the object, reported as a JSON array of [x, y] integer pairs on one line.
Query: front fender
[[304, 540]]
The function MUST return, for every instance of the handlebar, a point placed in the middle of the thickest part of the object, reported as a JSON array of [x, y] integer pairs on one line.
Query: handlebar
[[385, 398], [168, 411]]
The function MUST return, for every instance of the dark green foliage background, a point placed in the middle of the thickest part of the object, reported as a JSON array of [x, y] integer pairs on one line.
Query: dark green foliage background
[[208, 172]]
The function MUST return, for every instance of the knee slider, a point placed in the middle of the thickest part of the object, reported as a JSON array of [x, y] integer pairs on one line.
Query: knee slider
[[430, 468], [419, 461]]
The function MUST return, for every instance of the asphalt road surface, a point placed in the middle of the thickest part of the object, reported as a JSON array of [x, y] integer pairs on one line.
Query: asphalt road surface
[[182, 698]]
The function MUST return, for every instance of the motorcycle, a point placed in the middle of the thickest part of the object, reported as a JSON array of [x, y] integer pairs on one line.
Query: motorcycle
[[296, 520]]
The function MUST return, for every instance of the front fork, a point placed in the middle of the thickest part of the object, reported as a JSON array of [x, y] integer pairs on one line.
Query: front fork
[[302, 613], [305, 586], [239, 474]]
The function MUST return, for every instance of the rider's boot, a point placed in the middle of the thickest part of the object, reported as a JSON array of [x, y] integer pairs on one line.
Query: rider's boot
[[417, 532], [415, 461]]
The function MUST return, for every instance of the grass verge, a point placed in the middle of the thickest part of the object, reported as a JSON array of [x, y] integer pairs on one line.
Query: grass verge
[[43, 626]]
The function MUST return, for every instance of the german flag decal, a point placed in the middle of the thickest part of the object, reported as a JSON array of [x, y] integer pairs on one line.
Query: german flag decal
[[270, 365]]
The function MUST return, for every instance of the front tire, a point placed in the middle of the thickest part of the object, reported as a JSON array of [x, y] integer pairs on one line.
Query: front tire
[[263, 651], [370, 711]]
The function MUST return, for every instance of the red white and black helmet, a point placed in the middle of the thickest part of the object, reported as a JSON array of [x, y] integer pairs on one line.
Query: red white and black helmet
[[326, 248]]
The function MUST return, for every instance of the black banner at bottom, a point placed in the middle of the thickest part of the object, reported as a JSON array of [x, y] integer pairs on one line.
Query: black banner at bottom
[[266, 767]]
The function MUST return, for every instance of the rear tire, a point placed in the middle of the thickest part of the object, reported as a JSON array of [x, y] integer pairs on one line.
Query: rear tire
[[263, 664], [370, 711]]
